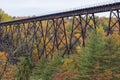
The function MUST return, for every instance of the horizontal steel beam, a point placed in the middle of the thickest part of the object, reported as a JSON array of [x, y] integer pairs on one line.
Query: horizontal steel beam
[[90, 10]]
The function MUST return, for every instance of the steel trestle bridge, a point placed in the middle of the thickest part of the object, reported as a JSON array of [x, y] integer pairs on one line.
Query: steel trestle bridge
[[62, 31]]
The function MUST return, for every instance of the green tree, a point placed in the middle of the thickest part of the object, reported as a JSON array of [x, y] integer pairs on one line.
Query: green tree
[[100, 57], [90, 55], [4, 16], [112, 56], [46, 68], [1, 14], [24, 69]]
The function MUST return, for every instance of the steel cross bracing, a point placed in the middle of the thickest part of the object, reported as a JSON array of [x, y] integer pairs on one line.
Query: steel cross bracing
[[63, 32]]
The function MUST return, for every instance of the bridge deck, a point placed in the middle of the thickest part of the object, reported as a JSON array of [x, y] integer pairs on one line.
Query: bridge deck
[[82, 11]]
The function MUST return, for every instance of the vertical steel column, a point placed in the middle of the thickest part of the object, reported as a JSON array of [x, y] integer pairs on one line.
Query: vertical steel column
[[109, 23], [118, 14], [44, 39], [55, 25], [65, 35], [82, 31], [32, 39], [114, 24], [94, 21], [71, 36], [42, 32]]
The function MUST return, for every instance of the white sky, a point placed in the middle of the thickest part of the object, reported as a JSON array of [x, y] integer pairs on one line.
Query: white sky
[[37, 7]]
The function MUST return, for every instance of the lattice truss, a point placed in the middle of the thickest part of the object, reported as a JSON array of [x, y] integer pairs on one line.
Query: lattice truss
[[114, 21], [45, 37]]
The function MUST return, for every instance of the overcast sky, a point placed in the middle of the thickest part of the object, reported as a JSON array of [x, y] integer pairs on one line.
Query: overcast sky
[[38, 7]]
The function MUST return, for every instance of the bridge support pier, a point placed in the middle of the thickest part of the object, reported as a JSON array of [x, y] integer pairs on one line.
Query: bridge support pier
[[114, 21], [65, 32]]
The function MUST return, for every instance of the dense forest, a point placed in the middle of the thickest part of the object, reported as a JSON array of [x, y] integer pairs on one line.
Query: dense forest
[[98, 60]]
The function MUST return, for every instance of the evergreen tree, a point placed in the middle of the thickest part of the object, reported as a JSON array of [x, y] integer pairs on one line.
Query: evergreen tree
[[24, 69], [46, 68], [90, 55], [100, 58], [112, 56]]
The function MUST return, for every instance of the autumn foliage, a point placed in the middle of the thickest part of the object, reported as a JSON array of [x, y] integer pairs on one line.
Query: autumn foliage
[[98, 60]]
